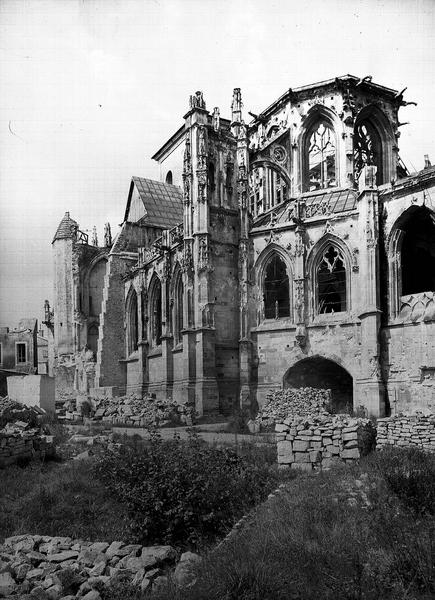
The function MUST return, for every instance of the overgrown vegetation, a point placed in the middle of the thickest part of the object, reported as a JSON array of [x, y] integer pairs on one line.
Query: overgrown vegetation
[[58, 499], [350, 534], [184, 492]]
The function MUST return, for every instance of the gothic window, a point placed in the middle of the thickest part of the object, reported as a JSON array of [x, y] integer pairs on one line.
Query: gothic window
[[367, 150], [93, 337], [418, 253], [169, 177], [331, 281], [144, 301], [321, 157], [178, 310], [156, 313], [96, 286], [132, 323], [267, 188], [276, 289]]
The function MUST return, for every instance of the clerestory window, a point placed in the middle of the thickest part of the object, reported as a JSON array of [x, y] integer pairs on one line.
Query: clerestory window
[[321, 157], [331, 282], [276, 289]]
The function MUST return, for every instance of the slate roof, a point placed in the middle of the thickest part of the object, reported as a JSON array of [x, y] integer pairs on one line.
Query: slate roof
[[66, 229], [163, 202]]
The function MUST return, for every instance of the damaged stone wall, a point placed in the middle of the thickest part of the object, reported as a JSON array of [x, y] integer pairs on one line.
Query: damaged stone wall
[[412, 431], [320, 442]]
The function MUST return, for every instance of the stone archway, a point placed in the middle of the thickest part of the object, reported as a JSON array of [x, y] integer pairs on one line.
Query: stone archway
[[319, 372]]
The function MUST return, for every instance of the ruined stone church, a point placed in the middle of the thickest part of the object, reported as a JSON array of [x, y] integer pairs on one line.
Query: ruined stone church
[[293, 251]]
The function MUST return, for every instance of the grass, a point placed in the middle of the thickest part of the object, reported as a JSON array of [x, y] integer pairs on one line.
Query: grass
[[342, 535], [58, 499]]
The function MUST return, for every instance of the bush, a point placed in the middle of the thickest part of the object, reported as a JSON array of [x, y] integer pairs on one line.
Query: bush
[[183, 492]]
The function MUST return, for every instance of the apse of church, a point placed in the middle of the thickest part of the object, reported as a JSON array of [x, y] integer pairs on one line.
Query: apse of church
[[292, 251]]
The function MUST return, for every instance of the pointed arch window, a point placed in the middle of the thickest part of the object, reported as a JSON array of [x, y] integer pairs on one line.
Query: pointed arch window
[[321, 157], [367, 149], [156, 313], [179, 310], [331, 281], [276, 292], [132, 323]]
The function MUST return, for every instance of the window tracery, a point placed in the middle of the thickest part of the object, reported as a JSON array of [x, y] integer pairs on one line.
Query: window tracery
[[367, 149], [321, 157], [267, 188], [331, 281]]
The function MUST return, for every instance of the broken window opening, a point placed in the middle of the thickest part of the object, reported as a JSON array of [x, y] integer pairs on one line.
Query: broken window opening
[[156, 314], [93, 338], [267, 188], [418, 253], [367, 150], [321, 158], [179, 311], [331, 282], [276, 290], [133, 330]]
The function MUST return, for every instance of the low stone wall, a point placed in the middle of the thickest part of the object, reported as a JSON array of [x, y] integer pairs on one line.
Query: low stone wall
[[416, 431], [50, 568], [320, 441], [17, 446]]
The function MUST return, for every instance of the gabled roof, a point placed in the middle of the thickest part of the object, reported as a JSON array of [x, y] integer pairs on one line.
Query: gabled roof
[[163, 202]]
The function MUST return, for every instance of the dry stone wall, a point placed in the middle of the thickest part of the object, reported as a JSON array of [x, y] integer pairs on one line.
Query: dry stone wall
[[416, 431], [16, 446], [316, 442]]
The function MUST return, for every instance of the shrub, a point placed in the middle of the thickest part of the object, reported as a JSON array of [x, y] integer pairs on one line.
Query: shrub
[[183, 492]]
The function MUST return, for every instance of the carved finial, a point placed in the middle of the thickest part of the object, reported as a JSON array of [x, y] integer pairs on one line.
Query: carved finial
[[94, 236], [216, 118], [197, 101], [236, 106], [107, 235]]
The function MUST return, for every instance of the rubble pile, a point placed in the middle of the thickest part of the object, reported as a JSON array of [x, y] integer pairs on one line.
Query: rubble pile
[[320, 441], [21, 434], [142, 412], [55, 568], [416, 431], [301, 402]]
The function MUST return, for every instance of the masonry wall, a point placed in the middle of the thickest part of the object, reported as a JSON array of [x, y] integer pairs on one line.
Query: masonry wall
[[321, 442], [32, 390], [415, 431], [25, 446]]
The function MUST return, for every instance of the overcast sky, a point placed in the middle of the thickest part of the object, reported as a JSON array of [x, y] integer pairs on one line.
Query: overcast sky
[[90, 89]]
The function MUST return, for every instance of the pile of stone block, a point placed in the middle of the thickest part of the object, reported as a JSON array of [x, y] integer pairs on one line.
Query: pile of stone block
[[134, 410], [402, 430], [320, 441], [55, 568], [283, 404], [21, 434]]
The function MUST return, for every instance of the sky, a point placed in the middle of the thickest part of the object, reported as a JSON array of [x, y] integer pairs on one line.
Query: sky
[[90, 89]]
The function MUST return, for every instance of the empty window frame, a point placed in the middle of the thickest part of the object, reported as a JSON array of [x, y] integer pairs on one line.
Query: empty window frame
[[331, 281], [267, 188], [367, 150], [276, 289], [156, 314], [132, 324], [21, 353]]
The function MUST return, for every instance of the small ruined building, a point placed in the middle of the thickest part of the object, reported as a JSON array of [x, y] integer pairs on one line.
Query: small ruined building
[[293, 251], [18, 351]]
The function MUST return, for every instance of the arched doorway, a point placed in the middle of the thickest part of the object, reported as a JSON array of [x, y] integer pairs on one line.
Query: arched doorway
[[321, 373]]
